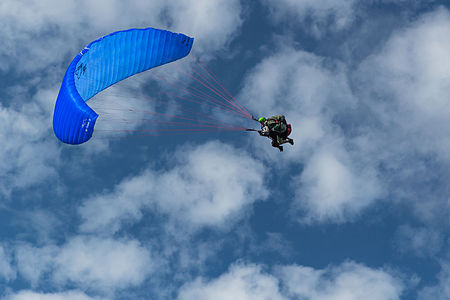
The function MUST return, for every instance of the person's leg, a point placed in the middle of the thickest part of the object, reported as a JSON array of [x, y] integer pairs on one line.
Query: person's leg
[[276, 145], [287, 140]]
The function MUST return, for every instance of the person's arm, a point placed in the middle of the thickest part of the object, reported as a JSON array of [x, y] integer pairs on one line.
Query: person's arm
[[264, 131]]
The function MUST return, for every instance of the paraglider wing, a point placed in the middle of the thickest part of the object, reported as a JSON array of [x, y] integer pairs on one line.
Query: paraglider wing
[[103, 63]]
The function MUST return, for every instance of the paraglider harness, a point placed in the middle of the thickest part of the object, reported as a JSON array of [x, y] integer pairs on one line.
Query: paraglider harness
[[276, 128]]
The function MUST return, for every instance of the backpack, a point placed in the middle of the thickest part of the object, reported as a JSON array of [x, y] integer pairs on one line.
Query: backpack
[[277, 119], [277, 124]]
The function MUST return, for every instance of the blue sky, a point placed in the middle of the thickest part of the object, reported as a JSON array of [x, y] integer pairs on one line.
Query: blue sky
[[358, 208]]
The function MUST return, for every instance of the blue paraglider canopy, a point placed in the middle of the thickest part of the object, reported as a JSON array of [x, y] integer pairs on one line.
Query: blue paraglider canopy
[[103, 63]]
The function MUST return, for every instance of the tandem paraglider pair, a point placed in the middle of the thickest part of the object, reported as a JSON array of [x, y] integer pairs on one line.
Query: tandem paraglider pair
[[122, 54], [277, 129]]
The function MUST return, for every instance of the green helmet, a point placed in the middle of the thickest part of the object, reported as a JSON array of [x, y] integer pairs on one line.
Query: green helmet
[[262, 119]]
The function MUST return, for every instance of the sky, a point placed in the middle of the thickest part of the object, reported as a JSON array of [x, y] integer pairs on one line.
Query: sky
[[357, 208]]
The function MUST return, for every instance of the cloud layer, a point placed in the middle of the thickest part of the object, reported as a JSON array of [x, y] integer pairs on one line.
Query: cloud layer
[[363, 134], [209, 185], [7, 272], [318, 16], [346, 281], [30, 295], [29, 154], [92, 263], [337, 181], [64, 29]]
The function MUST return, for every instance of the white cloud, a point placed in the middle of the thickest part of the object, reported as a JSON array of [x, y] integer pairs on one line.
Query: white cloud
[[29, 154], [199, 18], [41, 224], [302, 81], [209, 185], [213, 184], [421, 241], [338, 181], [33, 263], [307, 89], [241, 282], [103, 265], [39, 39], [413, 70], [30, 295], [323, 14], [41, 33], [405, 86], [107, 211], [441, 290], [347, 281], [7, 271], [378, 137], [333, 188]]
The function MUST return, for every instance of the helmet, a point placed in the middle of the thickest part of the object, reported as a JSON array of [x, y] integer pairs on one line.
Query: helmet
[[262, 119]]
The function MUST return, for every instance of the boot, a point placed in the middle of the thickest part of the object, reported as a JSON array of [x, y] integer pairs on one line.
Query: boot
[[291, 141], [281, 148]]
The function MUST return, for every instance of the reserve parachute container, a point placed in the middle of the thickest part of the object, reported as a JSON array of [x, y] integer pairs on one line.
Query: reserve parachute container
[[103, 63]]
